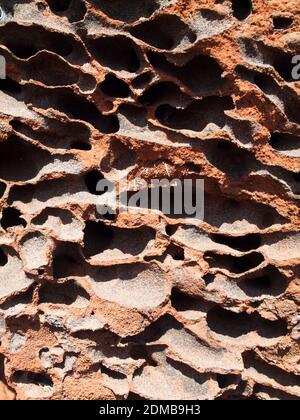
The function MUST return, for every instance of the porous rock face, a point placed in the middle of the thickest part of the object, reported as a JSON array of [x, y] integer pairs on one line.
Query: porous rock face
[[149, 306]]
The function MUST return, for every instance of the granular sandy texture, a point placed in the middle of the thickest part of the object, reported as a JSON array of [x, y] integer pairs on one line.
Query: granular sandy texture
[[149, 306]]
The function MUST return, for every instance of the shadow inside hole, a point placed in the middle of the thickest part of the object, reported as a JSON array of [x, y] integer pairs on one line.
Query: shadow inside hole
[[284, 141], [59, 5], [164, 32], [82, 109], [114, 87], [74, 10], [80, 145], [12, 217], [271, 283], [18, 153], [3, 258], [176, 252], [134, 9], [240, 243], [61, 293], [38, 379], [142, 80], [97, 238], [92, 181], [283, 64], [117, 53], [230, 159], [235, 265], [219, 210], [183, 302], [10, 86], [241, 9], [57, 134], [68, 261], [224, 381], [208, 278], [171, 229], [234, 325], [280, 22]]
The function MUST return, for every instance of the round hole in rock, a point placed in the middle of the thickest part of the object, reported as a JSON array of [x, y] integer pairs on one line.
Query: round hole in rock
[[95, 186], [41, 7], [179, 255], [68, 261], [97, 238], [39, 379], [116, 52], [208, 278], [171, 229], [61, 293], [106, 213], [129, 13], [241, 243], [283, 64], [164, 112], [142, 79], [241, 9], [227, 323], [226, 380], [16, 124], [165, 31], [12, 217], [175, 252], [234, 264], [192, 37], [270, 282], [281, 22], [183, 302], [114, 87]]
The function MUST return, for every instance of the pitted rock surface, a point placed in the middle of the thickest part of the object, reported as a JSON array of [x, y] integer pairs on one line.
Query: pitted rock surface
[[149, 306]]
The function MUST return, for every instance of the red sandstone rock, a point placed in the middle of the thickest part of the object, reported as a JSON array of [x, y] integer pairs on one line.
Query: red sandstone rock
[[142, 305]]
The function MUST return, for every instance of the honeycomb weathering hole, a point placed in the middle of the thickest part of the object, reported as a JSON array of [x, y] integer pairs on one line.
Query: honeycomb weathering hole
[[165, 32], [59, 6], [241, 8], [61, 293], [134, 10], [233, 264], [281, 22], [245, 243], [112, 86], [3, 258], [120, 121], [117, 53], [12, 217]]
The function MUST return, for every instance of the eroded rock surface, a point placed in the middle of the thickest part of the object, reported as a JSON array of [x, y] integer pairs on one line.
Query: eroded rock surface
[[149, 306]]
